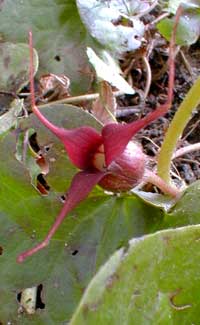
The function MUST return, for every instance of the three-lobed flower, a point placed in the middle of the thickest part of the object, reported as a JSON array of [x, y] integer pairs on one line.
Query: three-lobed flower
[[109, 158]]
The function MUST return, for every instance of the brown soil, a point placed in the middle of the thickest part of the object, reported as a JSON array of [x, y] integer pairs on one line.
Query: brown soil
[[186, 167]]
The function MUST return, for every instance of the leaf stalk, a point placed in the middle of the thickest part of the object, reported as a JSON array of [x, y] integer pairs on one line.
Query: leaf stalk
[[175, 130]]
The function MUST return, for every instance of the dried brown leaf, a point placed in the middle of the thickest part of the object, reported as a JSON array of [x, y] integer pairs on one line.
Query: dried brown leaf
[[104, 107]]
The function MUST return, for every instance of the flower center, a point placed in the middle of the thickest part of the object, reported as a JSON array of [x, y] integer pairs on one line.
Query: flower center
[[99, 159]]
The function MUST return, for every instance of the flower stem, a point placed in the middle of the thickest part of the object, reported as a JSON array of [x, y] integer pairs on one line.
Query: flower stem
[[180, 120], [161, 184]]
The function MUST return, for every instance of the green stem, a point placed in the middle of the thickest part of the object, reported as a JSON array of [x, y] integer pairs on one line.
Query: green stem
[[175, 130]]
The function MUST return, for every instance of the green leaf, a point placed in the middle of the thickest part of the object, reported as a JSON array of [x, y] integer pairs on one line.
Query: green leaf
[[14, 66], [188, 28], [111, 24], [155, 199], [174, 4], [87, 237], [59, 36], [155, 281], [187, 210], [67, 116], [10, 118], [108, 73]]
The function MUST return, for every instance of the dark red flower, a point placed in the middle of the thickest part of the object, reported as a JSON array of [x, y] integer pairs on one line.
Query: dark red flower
[[109, 159]]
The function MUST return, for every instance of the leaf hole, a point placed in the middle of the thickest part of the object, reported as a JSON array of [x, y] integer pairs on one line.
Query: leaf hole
[[39, 303], [75, 252], [122, 21], [33, 142], [1, 253], [42, 185], [63, 198], [47, 148], [19, 295], [57, 58]]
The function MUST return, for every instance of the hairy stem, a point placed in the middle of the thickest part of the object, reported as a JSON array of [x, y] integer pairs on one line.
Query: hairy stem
[[41, 117], [181, 118], [161, 184]]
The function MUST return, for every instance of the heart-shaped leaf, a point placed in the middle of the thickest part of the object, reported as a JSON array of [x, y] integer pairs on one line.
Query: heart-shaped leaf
[[14, 66], [108, 73], [188, 30], [155, 281], [59, 36], [92, 232], [111, 24], [10, 118], [88, 236]]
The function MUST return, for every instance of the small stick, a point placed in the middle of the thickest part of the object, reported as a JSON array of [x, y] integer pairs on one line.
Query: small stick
[[78, 99], [183, 151], [149, 76]]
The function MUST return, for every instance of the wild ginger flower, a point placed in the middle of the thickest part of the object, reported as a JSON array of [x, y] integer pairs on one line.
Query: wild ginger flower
[[109, 159]]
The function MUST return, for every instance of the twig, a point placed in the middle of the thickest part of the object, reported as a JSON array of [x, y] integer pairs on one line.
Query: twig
[[190, 148], [127, 111], [191, 130], [152, 6], [78, 99], [161, 17], [149, 76], [190, 161], [150, 140], [186, 63], [129, 68]]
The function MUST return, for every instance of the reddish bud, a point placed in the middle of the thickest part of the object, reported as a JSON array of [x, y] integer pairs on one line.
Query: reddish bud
[[123, 173]]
